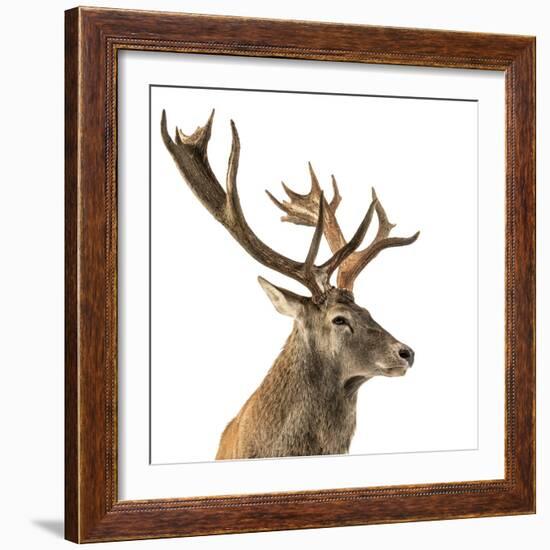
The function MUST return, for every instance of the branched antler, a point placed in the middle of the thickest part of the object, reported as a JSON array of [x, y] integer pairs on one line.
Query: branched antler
[[190, 156], [304, 210]]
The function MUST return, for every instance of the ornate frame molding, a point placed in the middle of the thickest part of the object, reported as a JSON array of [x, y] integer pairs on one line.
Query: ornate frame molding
[[93, 38]]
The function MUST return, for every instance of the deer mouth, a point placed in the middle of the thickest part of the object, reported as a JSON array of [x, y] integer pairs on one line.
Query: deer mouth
[[395, 370]]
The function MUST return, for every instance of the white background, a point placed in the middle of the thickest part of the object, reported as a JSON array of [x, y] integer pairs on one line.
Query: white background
[[32, 278], [421, 430], [215, 335], [426, 294]]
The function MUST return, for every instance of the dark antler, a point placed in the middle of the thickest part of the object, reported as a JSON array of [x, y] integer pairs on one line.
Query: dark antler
[[190, 156], [303, 210]]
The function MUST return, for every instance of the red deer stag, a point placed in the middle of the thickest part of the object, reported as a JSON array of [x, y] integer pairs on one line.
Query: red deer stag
[[306, 404]]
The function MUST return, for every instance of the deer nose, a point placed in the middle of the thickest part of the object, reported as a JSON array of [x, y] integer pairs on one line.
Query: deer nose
[[405, 352]]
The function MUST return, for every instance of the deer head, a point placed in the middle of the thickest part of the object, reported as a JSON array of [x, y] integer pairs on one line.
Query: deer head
[[329, 321]]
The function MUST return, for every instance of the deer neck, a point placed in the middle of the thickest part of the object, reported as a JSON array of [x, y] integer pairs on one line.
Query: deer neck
[[315, 396]]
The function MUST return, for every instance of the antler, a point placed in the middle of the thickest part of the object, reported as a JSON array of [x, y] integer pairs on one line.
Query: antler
[[304, 210], [190, 156]]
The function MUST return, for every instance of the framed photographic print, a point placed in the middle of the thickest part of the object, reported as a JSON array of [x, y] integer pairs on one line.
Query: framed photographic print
[[353, 346]]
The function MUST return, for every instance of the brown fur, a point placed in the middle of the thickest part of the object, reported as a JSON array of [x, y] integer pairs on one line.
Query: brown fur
[[306, 404]]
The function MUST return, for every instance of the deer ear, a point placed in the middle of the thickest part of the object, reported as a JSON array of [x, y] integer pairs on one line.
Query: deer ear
[[285, 301]]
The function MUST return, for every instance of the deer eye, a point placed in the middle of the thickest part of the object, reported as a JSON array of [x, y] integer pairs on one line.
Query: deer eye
[[340, 320]]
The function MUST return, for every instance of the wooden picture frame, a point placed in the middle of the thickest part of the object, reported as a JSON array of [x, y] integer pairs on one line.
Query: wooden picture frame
[[93, 511]]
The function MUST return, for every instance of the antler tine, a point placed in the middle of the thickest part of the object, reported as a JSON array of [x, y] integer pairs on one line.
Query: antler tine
[[277, 202], [233, 200], [336, 198], [349, 272], [190, 155], [315, 187], [384, 225]]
